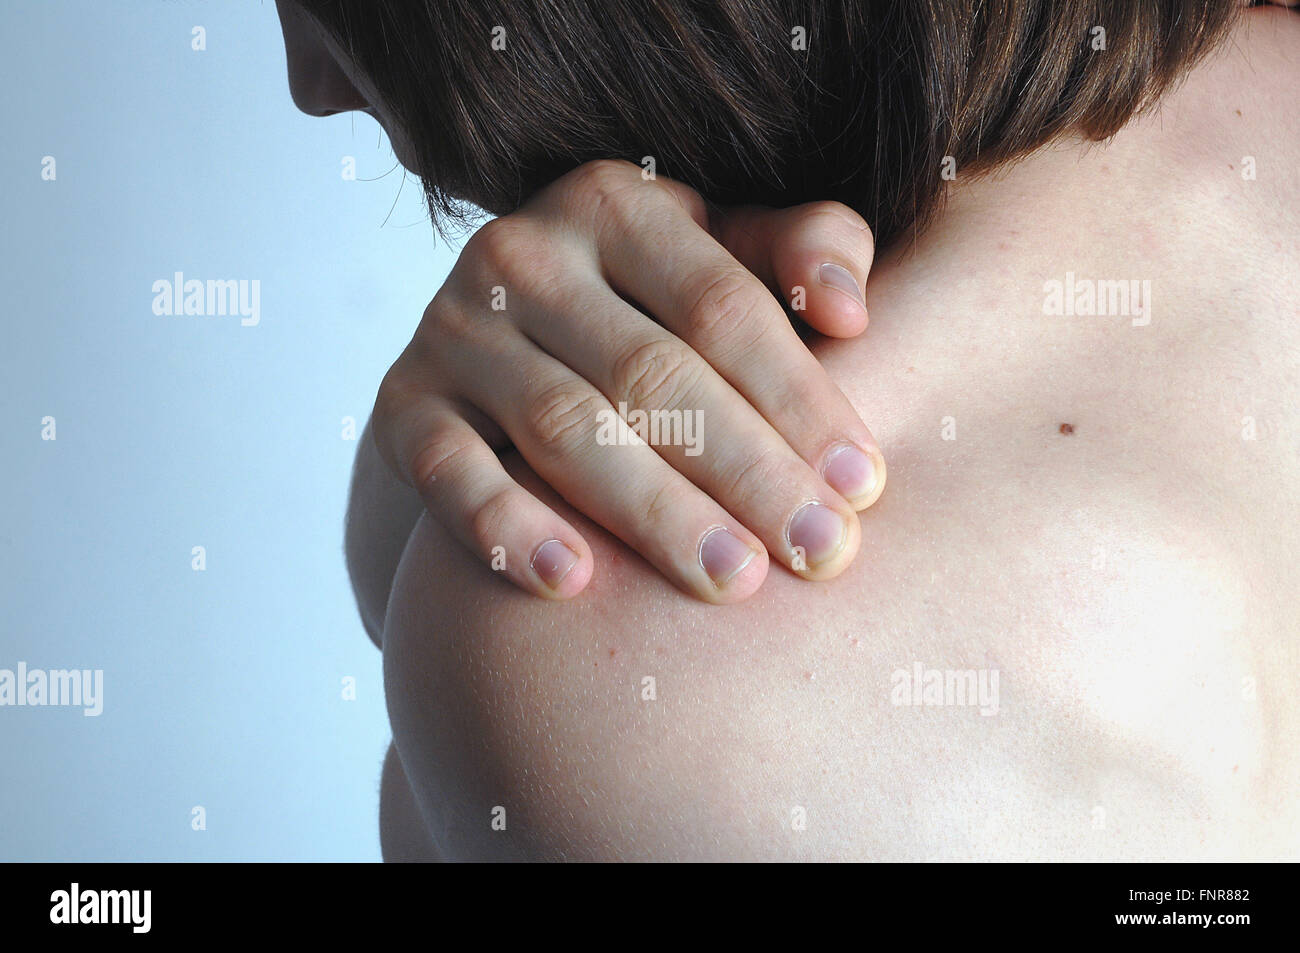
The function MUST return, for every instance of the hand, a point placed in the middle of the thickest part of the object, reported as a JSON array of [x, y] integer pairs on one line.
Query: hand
[[541, 332]]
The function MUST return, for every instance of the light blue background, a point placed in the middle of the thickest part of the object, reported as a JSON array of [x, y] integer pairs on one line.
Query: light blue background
[[222, 688]]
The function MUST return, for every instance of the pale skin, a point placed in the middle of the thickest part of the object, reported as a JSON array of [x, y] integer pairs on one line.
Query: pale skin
[[572, 259], [1131, 577], [533, 337]]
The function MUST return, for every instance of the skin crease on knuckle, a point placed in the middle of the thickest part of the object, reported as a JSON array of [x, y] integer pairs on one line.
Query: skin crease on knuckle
[[667, 499], [562, 416], [726, 314], [493, 514], [1123, 576], [660, 373], [435, 457], [762, 470]]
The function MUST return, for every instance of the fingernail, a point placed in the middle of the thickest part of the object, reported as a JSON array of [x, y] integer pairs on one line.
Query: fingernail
[[817, 530], [723, 555], [552, 562], [850, 472], [841, 279]]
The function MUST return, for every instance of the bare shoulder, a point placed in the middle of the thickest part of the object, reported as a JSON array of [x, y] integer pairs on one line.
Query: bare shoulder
[[1250, 84], [1262, 53], [1230, 130], [1058, 642], [929, 705], [605, 727]]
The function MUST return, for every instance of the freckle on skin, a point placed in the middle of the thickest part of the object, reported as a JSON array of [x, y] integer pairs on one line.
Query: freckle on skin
[[1067, 428]]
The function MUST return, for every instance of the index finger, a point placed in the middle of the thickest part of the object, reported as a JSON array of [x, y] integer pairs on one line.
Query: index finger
[[681, 275]]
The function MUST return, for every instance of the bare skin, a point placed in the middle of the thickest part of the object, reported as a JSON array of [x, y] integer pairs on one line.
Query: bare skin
[[1131, 576]]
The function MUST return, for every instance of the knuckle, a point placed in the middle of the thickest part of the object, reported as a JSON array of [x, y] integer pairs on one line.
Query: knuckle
[[764, 472], [443, 319], [656, 374], [690, 199], [602, 177], [396, 392], [836, 212], [669, 499], [607, 194], [490, 521], [501, 245], [810, 392], [520, 257], [438, 458], [562, 413], [725, 311], [835, 218]]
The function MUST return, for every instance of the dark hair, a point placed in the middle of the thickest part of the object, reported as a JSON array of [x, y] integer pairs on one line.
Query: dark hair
[[721, 95]]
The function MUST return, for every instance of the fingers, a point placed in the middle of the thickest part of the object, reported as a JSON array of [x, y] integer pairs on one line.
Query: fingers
[[575, 441], [701, 426], [700, 293], [531, 338], [816, 256], [428, 442]]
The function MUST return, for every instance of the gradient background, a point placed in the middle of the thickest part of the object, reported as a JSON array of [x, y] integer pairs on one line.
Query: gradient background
[[222, 688]]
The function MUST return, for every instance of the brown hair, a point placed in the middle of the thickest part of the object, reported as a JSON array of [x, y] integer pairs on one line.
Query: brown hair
[[720, 93]]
